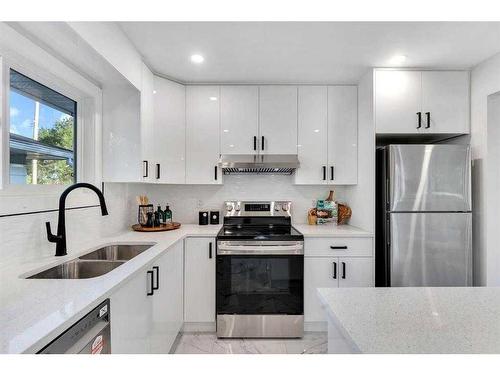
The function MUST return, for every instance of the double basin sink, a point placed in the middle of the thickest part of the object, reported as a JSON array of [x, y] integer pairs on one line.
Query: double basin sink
[[93, 264]]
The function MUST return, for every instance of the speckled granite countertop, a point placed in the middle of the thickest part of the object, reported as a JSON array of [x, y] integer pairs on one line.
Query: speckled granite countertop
[[416, 320]]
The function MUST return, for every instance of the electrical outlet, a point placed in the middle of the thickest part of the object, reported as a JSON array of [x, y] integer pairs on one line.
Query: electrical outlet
[[199, 203]]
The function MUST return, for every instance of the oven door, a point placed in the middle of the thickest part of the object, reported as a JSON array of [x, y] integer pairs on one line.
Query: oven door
[[259, 278]]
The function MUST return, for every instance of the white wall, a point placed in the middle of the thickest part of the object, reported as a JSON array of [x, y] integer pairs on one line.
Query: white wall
[[485, 80], [184, 199]]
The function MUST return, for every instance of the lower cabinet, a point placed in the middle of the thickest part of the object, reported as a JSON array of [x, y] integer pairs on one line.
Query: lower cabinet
[[146, 313], [199, 280], [332, 272]]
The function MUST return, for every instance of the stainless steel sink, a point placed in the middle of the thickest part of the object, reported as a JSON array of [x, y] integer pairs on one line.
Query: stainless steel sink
[[78, 269], [116, 252], [93, 264]]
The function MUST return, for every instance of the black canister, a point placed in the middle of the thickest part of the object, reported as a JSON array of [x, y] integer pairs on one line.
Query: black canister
[[214, 217], [203, 218]]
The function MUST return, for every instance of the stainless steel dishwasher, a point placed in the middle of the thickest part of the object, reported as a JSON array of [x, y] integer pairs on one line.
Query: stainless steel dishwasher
[[90, 335]]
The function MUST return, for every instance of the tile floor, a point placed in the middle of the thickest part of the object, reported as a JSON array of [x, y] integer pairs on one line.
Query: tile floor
[[207, 343]]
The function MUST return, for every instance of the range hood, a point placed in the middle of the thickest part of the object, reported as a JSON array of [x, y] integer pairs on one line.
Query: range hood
[[258, 164]]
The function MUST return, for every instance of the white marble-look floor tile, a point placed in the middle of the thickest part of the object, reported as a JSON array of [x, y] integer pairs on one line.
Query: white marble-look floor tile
[[207, 343]]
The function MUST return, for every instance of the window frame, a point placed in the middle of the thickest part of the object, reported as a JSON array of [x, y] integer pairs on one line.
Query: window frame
[[45, 78]]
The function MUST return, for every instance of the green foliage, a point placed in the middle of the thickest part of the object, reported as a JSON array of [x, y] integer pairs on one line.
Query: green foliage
[[55, 171]]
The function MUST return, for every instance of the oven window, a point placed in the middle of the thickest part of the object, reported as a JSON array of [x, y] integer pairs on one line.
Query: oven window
[[249, 284]]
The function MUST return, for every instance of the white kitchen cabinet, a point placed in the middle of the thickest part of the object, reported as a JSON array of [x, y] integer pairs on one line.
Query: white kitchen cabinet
[[202, 135], [355, 272], [239, 119], [445, 102], [167, 300], [342, 135], [147, 312], [312, 135], [199, 280], [169, 136], [405, 100], [278, 119], [132, 316], [318, 273], [147, 124]]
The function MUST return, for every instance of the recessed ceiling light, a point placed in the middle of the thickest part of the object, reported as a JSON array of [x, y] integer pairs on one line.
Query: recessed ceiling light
[[226, 130], [154, 91], [398, 59], [316, 130], [197, 59], [213, 98]]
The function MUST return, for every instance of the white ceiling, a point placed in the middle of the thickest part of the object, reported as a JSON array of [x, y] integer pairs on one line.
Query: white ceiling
[[302, 52]]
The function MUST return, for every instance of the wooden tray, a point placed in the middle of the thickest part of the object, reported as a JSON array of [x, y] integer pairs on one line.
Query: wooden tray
[[161, 228]]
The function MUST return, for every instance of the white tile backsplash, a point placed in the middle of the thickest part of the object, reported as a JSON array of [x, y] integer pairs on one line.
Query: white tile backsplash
[[24, 237], [186, 200]]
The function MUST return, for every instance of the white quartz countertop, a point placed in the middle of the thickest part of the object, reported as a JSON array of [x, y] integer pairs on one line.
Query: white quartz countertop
[[34, 311], [330, 230], [416, 320]]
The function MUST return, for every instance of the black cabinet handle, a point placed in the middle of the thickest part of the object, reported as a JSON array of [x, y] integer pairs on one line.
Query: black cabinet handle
[[151, 284], [419, 116], [157, 269], [338, 247], [210, 250], [334, 270], [428, 115], [343, 270], [215, 169], [255, 143], [324, 173], [146, 168], [157, 171], [332, 173], [262, 144]]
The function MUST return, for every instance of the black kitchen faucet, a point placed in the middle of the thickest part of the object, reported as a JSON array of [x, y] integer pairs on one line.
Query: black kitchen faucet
[[60, 237]]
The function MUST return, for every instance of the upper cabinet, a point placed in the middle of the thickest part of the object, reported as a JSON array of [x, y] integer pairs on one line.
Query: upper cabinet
[[427, 102], [239, 119], [169, 136], [147, 124], [343, 135], [327, 135], [278, 119], [202, 135]]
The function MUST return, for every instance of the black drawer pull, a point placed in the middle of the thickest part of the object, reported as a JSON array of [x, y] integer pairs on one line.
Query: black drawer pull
[[338, 247], [255, 143], [157, 269], [428, 115], [334, 270], [145, 166], [343, 270], [419, 116], [215, 169], [332, 173], [157, 171], [151, 284], [324, 172], [210, 250], [262, 145]]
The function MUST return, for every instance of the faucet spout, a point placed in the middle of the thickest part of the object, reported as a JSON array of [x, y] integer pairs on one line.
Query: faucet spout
[[60, 237]]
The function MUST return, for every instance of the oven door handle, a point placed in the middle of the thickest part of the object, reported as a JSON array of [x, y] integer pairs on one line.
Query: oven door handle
[[295, 249]]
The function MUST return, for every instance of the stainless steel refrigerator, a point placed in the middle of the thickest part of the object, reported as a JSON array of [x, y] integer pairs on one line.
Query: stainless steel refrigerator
[[424, 219]]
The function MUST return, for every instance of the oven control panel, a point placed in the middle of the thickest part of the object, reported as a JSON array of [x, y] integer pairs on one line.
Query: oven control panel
[[257, 208]]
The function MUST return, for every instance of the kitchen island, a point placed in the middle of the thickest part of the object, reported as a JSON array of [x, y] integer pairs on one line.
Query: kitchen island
[[412, 320]]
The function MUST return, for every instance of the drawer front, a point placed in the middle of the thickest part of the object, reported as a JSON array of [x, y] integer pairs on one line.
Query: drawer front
[[338, 246]]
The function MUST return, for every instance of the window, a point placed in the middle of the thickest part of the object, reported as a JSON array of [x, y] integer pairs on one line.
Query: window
[[42, 143]]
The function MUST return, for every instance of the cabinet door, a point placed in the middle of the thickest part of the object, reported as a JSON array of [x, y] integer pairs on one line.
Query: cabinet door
[[278, 119], [199, 280], [355, 272], [312, 135], [169, 137], [342, 135], [147, 124], [167, 299], [132, 316], [202, 135], [445, 95], [318, 273], [239, 119], [398, 97]]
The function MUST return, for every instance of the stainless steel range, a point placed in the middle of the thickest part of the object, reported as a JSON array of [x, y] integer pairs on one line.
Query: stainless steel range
[[260, 272]]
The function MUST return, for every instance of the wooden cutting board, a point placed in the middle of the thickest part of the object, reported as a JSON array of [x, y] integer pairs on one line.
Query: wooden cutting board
[[161, 228]]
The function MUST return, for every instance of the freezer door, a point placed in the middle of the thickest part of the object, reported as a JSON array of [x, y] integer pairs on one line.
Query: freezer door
[[429, 178], [430, 249]]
